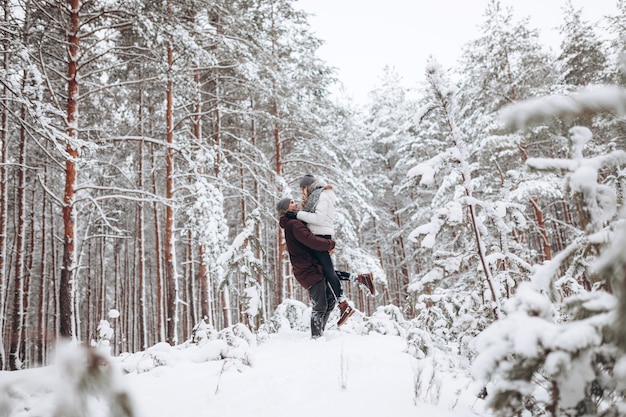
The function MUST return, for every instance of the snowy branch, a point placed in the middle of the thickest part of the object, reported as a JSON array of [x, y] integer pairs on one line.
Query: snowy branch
[[591, 100]]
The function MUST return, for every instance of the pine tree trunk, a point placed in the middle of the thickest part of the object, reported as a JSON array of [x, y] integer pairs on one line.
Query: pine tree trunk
[[141, 255], [260, 318], [404, 267], [170, 267], [279, 290], [193, 288], [30, 332], [545, 240], [133, 296], [202, 283], [187, 287], [160, 301], [42, 308], [4, 129], [101, 299], [69, 238], [88, 288], [379, 253], [117, 299], [17, 329], [217, 139], [4, 126], [481, 255], [55, 280]]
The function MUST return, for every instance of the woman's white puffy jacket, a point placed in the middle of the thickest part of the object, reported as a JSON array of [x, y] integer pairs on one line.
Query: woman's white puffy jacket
[[321, 221]]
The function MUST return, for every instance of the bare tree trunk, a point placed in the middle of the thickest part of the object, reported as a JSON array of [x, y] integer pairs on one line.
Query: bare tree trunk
[[547, 253], [170, 267], [4, 126], [141, 264], [379, 253], [133, 297], [190, 295], [118, 301], [481, 254], [143, 310], [55, 280], [17, 334], [4, 129], [203, 282], [30, 327], [101, 305], [86, 303], [217, 138], [279, 290], [42, 310], [160, 301], [404, 267], [260, 318], [67, 274]]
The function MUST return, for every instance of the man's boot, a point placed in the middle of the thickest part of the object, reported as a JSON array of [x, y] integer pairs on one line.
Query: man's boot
[[368, 281], [345, 311]]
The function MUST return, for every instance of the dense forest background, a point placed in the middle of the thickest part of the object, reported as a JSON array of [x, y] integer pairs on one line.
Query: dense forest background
[[144, 145]]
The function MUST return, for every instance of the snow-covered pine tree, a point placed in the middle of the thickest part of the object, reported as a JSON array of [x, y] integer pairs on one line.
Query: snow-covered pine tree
[[388, 127], [505, 64], [209, 229], [240, 261], [567, 365], [617, 49], [583, 59], [464, 232]]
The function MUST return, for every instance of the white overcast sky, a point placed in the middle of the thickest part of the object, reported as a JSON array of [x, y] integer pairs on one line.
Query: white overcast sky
[[362, 36]]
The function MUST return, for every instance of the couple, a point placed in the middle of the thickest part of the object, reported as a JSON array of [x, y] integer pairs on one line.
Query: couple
[[308, 235]]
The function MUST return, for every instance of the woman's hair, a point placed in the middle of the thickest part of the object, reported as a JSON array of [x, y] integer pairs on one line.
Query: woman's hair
[[305, 196], [306, 193]]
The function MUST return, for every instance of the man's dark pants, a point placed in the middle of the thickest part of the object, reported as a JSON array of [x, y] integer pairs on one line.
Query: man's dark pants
[[323, 301]]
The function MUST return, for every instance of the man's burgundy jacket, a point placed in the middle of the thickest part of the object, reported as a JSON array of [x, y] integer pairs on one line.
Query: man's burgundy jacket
[[306, 268]]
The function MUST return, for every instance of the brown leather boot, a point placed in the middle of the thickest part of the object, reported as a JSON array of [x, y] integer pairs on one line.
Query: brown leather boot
[[345, 311], [368, 281]]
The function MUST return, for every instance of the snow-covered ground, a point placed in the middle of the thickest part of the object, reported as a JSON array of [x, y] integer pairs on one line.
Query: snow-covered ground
[[340, 375], [286, 374]]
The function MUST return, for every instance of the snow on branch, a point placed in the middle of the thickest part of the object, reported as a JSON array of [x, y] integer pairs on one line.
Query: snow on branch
[[602, 98], [542, 278], [427, 170], [241, 240], [581, 178]]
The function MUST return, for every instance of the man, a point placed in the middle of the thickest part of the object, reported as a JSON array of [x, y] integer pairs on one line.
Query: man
[[306, 268]]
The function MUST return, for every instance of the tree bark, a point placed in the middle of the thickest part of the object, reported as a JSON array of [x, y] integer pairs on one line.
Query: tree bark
[[170, 267], [279, 286], [4, 126], [42, 310], [141, 253], [17, 329], [160, 297], [547, 253], [69, 239]]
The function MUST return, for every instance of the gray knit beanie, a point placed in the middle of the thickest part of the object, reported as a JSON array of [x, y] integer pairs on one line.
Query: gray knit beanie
[[307, 180], [283, 205]]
